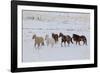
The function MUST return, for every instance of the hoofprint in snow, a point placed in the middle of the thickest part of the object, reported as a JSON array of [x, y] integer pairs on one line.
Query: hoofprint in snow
[[56, 53]]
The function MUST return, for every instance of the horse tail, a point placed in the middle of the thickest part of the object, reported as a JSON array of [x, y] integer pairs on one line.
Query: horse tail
[[85, 41], [71, 41]]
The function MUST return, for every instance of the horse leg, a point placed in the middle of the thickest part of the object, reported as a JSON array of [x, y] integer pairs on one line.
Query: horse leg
[[35, 45], [43, 43], [61, 44], [76, 42], [83, 42], [38, 45], [71, 41], [68, 43], [56, 41], [52, 44], [86, 42], [47, 43], [65, 44], [79, 43]]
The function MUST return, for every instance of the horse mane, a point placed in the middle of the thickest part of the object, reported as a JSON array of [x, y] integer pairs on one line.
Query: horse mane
[[55, 37], [75, 35], [34, 36]]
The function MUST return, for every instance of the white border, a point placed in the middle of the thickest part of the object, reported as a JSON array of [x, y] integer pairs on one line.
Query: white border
[[54, 63]]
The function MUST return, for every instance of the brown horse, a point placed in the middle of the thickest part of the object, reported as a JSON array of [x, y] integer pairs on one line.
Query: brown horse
[[78, 38], [65, 38], [83, 38], [55, 37]]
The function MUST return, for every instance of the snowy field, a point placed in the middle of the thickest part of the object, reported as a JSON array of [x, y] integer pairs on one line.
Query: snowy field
[[56, 53], [42, 23]]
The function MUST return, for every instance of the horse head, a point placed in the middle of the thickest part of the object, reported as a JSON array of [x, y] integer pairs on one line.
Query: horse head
[[60, 34], [75, 35], [34, 36]]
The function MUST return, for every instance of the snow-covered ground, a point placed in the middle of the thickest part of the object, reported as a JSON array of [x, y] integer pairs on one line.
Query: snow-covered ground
[[56, 53]]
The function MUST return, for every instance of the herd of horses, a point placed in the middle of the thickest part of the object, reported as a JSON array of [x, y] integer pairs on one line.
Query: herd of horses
[[39, 40]]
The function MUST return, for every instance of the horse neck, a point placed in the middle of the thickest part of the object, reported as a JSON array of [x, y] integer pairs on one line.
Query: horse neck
[[62, 35], [46, 37], [34, 37]]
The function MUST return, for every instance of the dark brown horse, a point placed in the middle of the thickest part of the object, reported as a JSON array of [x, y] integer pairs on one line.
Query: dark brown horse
[[78, 38], [65, 38], [55, 37]]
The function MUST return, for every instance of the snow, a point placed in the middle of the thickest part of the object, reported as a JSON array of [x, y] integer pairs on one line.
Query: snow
[[56, 53], [48, 53]]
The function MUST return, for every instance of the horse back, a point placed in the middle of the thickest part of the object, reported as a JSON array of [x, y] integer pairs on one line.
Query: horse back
[[39, 39], [83, 37]]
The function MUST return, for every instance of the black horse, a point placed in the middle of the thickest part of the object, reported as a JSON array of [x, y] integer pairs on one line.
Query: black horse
[[65, 38], [78, 38]]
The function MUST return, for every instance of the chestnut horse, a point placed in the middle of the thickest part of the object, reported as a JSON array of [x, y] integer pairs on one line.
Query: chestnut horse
[[78, 38], [65, 38]]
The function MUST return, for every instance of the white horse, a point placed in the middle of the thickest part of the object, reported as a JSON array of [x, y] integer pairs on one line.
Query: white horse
[[49, 41]]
